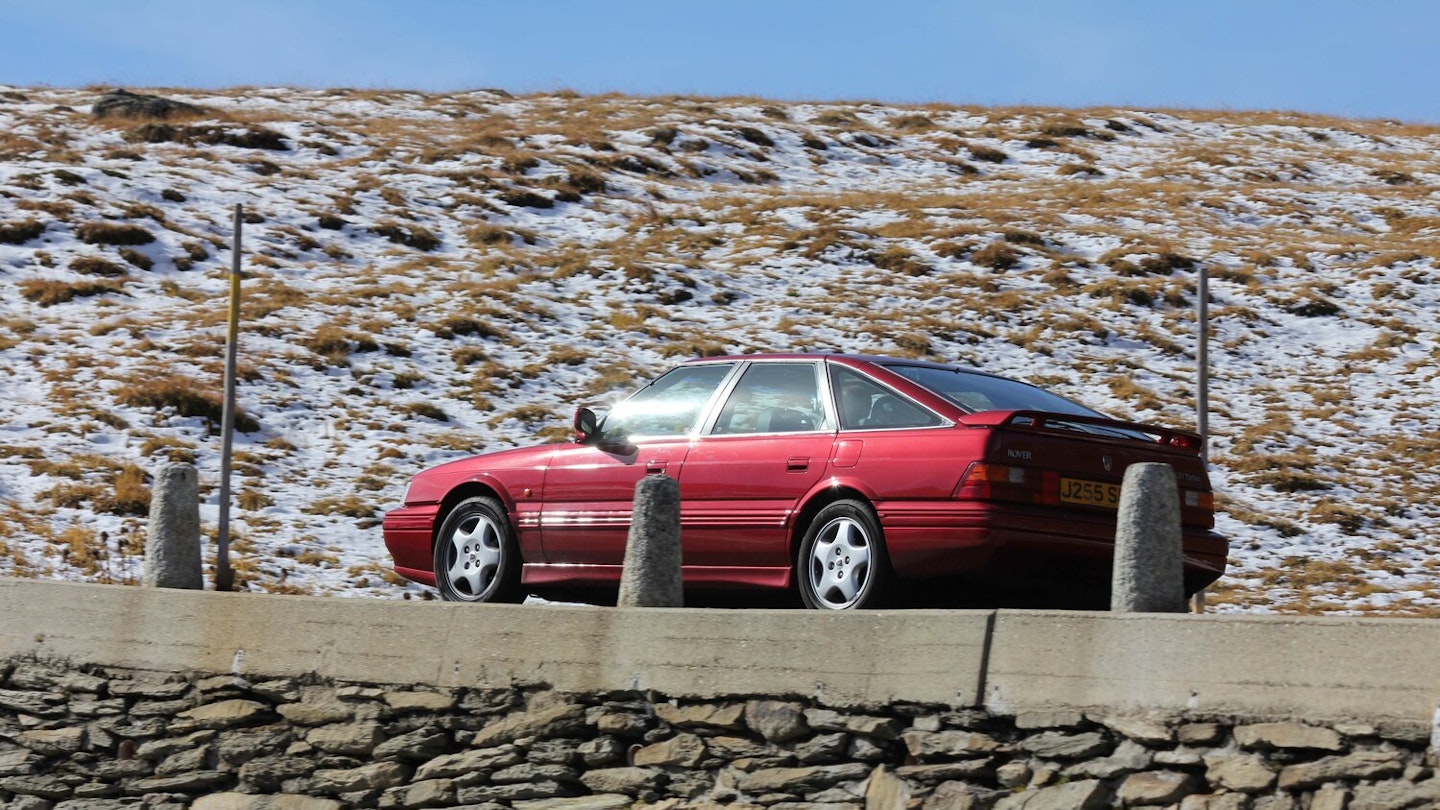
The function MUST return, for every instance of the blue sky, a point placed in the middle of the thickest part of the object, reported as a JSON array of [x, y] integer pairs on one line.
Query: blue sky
[[1372, 59]]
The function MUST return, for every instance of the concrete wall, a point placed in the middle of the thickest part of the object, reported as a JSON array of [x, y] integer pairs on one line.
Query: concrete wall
[[1008, 661], [1318, 668], [871, 658]]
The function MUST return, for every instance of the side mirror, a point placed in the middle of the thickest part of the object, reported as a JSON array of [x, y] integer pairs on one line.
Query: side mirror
[[586, 426]]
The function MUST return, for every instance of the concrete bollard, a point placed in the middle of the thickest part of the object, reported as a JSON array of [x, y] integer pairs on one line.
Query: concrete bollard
[[1148, 574], [172, 548], [651, 577]]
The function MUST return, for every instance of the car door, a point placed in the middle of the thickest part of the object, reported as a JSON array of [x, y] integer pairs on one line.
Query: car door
[[767, 445], [884, 440], [589, 490]]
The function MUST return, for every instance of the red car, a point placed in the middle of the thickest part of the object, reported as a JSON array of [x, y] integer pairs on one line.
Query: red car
[[839, 474]]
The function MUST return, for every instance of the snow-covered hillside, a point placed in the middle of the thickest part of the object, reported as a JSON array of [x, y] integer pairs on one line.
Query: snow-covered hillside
[[433, 275]]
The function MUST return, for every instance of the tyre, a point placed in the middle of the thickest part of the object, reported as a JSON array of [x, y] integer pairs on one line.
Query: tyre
[[476, 559], [842, 563]]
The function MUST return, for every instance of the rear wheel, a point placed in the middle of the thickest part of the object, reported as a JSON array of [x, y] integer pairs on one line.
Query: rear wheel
[[475, 555], [842, 563]]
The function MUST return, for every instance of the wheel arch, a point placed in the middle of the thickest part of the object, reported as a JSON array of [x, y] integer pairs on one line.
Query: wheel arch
[[465, 491], [822, 496]]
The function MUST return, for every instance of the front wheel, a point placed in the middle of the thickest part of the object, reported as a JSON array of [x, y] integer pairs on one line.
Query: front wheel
[[842, 563], [475, 555]]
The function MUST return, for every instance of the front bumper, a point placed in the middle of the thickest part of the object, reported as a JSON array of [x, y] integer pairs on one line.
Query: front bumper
[[409, 532]]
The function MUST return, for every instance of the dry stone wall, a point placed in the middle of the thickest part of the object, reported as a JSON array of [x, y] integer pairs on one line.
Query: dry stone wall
[[90, 738]]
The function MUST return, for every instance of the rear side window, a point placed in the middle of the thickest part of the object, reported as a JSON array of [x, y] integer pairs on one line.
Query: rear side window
[[981, 392], [866, 405]]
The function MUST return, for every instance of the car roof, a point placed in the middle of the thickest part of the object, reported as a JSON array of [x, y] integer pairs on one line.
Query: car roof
[[853, 358]]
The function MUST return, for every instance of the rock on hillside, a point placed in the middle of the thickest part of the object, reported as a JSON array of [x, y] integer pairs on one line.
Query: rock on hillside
[[432, 275]]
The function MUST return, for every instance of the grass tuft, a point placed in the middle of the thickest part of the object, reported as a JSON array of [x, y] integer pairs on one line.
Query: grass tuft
[[48, 293], [184, 397], [18, 233], [408, 234], [113, 233], [96, 266]]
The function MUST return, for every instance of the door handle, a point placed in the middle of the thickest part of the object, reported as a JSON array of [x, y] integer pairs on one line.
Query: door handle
[[797, 464], [656, 467]]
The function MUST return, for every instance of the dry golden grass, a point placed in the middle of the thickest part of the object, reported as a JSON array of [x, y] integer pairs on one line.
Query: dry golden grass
[[185, 397], [49, 293]]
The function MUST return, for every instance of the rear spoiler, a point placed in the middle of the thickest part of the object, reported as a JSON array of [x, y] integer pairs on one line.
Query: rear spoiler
[[1092, 425]]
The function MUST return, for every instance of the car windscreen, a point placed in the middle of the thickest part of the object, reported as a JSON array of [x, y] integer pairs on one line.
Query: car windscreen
[[982, 392]]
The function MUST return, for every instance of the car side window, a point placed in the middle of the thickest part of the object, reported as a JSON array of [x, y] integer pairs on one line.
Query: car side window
[[866, 405], [773, 398], [669, 406]]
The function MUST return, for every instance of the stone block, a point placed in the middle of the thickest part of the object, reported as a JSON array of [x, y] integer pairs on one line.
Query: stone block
[[727, 716], [886, 791], [554, 720], [682, 750], [1287, 736], [775, 720], [1200, 734], [54, 742], [225, 713], [347, 739], [468, 762], [786, 779], [372, 776], [1155, 787], [1242, 773], [629, 781], [1361, 765], [1148, 729], [1057, 745], [1090, 794], [599, 801]]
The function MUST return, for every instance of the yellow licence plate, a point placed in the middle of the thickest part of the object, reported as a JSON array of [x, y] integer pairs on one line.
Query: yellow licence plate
[[1089, 493]]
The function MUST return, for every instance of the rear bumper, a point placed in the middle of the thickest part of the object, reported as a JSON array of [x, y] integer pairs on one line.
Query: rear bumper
[[936, 538], [408, 533]]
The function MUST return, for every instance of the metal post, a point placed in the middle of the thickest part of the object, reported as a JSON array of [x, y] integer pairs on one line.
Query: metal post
[[1202, 389], [1202, 363], [224, 577]]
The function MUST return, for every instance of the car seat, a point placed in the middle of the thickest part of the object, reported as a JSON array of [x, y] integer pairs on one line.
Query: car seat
[[887, 411], [854, 405]]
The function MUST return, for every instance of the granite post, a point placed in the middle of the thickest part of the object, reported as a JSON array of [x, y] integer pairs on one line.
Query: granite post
[[1148, 573], [651, 577], [172, 547]]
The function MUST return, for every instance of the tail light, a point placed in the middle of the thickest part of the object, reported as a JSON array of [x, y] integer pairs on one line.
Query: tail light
[[1181, 441], [1197, 508], [1005, 482]]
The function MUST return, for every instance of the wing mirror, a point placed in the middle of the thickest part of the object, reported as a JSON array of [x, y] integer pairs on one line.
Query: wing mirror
[[587, 426]]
